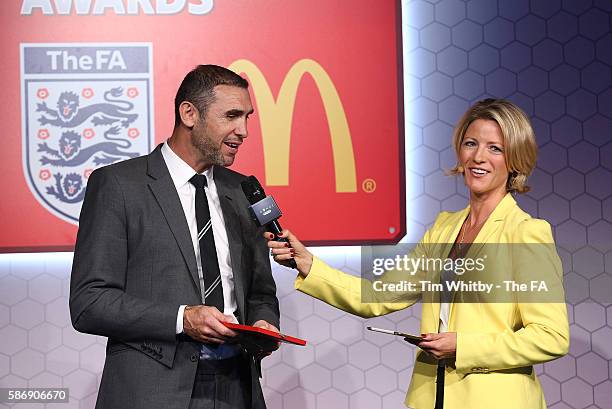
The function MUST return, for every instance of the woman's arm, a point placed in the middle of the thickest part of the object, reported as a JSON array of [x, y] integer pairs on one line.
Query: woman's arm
[[341, 290]]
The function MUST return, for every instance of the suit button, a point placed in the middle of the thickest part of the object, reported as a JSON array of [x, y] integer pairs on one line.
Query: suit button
[[193, 358]]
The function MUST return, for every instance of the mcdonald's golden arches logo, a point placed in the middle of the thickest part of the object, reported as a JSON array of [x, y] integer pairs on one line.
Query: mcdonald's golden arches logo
[[276, 117]]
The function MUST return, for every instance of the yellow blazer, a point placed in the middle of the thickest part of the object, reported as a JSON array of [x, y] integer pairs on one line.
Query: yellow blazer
[[497, 343]]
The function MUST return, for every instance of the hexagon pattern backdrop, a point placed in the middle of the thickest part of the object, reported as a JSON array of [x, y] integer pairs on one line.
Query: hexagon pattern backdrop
[[554, 59]]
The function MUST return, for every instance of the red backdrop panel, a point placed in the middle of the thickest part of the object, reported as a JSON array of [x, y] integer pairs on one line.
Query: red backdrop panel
[[358, 46]]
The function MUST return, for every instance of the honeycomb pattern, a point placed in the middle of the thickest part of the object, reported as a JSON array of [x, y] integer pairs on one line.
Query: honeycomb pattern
[[38, 346], [554, 59]]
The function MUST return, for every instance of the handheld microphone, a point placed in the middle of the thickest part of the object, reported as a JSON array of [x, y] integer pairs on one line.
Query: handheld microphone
[[264, 210]]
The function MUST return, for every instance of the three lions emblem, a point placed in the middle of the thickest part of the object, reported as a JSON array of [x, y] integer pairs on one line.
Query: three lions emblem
[[74, 124]]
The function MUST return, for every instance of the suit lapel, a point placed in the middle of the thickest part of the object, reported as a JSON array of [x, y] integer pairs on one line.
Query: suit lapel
[[167, 197], [447, 237], [487, 234], [233, 228], [492, 225]]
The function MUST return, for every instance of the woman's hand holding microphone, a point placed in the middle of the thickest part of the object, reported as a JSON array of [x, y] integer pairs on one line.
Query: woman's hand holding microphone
[[293, 249]]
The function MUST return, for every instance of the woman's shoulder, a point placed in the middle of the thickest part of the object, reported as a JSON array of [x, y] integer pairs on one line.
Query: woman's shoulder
[[518, 225], [527, 228], [445, 218], [444, 224]]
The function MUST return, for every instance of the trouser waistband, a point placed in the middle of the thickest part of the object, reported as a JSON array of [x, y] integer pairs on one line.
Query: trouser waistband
[[220, 366]]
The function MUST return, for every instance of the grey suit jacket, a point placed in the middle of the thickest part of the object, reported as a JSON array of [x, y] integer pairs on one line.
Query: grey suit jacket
[[134, 265]]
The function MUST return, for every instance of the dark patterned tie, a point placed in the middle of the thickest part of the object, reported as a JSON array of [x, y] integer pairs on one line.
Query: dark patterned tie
[[210, 284]]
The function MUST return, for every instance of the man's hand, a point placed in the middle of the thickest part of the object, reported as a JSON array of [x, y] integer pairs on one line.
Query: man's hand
[[204, 324], [440, 346], [266, 325]]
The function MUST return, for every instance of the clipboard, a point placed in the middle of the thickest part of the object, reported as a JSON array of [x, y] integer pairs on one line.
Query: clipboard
[[411, 339], [257, 340]]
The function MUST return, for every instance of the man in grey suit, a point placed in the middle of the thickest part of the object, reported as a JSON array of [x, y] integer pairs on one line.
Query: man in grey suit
[[157, 268]]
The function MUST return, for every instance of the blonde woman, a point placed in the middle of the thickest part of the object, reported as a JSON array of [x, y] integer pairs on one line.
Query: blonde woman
[[473, 354]]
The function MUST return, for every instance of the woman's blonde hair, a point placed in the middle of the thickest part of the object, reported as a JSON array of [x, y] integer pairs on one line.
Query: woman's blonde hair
[[520, 149]]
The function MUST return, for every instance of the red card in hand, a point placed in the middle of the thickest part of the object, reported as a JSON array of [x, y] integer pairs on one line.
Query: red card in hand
[[255, 339]]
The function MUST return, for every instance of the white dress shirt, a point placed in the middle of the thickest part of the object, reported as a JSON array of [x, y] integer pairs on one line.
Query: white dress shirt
[[444, 316], [181, 172], [445, 277]]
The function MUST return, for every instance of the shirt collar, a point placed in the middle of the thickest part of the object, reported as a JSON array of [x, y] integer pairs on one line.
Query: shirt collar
[[180, 171]]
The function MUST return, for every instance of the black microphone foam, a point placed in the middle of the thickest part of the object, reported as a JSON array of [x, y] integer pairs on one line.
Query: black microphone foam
[[252, 189], [256, 196]]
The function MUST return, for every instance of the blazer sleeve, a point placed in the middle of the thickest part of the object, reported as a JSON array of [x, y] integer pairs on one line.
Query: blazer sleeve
[[99, 303], [356, 295], [261, 301], [543, 332]]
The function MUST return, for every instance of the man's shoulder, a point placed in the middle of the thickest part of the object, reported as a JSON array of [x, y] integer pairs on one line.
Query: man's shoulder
[[228, 176], [130, 168]]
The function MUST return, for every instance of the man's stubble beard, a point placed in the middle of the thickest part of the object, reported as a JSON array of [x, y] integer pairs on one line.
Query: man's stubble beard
[[211, 153]]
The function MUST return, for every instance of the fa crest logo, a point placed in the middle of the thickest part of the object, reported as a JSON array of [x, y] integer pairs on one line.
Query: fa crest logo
[[80, 114]]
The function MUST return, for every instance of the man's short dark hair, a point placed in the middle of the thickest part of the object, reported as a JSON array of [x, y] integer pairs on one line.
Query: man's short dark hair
[[198, 87]]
